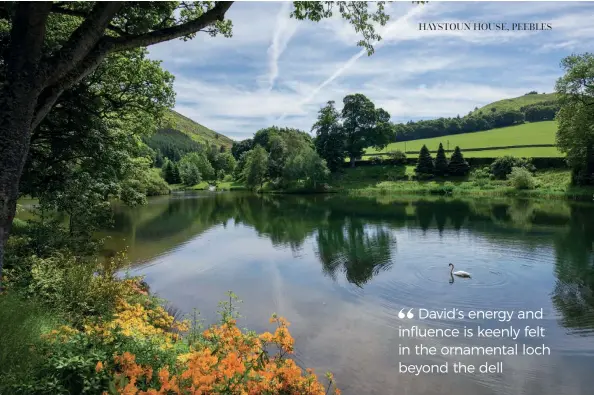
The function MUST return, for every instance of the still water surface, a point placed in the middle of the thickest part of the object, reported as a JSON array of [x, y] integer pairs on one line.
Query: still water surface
[[340, 269]]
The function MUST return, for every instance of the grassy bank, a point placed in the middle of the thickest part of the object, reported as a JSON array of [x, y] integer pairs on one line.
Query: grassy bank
[[400, 180], [392, 180]]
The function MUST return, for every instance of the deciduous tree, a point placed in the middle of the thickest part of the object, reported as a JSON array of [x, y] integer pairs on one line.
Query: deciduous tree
[[330, 137], [364, 126], [575, 135], [256, 167], [34, 74]]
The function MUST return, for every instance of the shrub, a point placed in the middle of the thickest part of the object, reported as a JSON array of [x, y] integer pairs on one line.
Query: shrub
[[140, 351], [481, 173], [521, 178], [442, 189], [77, 288], [397, 157], [502, 167], [155, 184], [376, 160]]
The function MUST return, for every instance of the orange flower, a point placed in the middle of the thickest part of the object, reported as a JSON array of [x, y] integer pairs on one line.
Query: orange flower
[[99, 367]]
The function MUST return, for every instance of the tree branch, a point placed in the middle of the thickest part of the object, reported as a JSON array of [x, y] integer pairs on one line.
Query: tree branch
[[50, 94], [217, 13], [81, 41], [57, 9]]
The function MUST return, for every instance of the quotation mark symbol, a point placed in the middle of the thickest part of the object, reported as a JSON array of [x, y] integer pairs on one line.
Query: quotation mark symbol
[[408, 315]]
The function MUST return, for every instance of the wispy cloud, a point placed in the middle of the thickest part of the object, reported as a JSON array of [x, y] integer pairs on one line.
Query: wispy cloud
[[272, 71], [388, 29], [283, 31]]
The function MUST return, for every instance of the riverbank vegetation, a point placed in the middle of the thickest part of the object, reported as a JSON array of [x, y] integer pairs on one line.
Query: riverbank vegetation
[[71, 325]]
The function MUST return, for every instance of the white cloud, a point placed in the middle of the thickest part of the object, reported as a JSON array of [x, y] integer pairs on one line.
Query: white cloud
[[278, 70]]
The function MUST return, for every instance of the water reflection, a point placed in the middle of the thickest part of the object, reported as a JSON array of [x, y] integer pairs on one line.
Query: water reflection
[[574, 269], [356, 239]]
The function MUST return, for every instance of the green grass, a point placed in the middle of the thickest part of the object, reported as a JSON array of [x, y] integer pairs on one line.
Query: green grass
[[525, 134], [197, 132], [22, 322], [525, 152], [381, 181], [518, 102]]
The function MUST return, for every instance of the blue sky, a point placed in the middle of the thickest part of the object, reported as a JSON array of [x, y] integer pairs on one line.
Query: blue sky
[[278, 71]]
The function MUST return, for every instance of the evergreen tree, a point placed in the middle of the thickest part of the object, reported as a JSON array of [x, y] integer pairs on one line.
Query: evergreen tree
[[425, 162], [458, 166], [159, 159], [175, 172], [441, 162], [168, 171]]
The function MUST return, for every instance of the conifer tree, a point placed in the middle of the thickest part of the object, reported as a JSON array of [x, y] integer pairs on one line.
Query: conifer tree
[[167, 171], [458, 166], [175, 171], [441, 162], [425, 162]]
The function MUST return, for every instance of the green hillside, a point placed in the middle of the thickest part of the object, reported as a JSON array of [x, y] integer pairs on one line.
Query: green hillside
[[518, 102], [197, 132], [537, 133]]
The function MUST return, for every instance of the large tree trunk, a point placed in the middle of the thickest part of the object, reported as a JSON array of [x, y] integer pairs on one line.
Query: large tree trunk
[[590, 163], [16, 114], [18, 99]]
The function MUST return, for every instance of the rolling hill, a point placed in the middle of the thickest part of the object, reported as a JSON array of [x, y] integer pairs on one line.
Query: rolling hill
[[517, 103], [526, 136], [196, 131], [179, 135]]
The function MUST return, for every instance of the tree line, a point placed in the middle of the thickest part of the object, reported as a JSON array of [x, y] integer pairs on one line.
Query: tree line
[[285, 155], [476, 121]]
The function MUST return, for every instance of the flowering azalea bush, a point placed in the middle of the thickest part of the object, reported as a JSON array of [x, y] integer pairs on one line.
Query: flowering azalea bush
[[141, 349]]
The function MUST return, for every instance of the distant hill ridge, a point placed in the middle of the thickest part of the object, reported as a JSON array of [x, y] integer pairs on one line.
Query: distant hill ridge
[[531, 107], [196, 131], [517, 103], [180, 135]]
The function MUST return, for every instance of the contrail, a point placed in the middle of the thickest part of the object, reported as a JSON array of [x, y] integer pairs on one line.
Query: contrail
[[403, 19], [283, 32]]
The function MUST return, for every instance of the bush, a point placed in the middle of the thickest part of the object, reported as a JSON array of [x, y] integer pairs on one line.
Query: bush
[[521, 178], [77, 288], [141, 349], [481, 173], [502, 167], [397, 157], [155, 184], [376, 160]]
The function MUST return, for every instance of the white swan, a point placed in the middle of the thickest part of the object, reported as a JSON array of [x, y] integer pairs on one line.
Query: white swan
[[459, 273]]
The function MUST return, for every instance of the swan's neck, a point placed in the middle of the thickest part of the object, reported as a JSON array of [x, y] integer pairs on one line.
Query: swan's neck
[[452, 268]]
